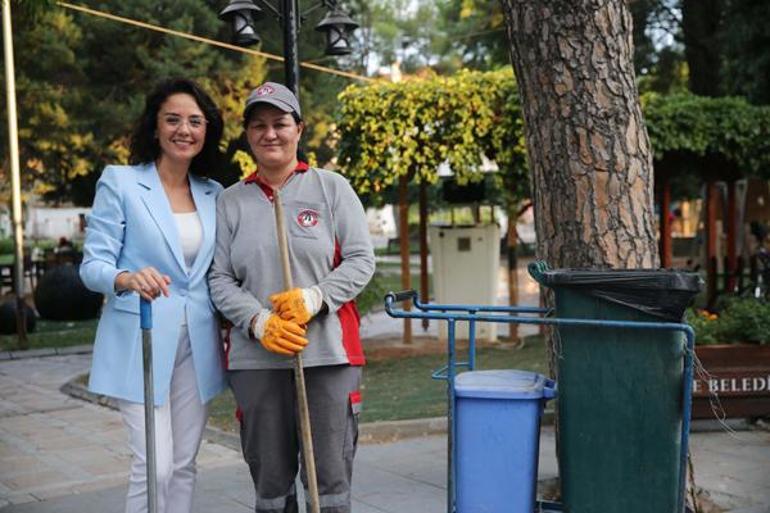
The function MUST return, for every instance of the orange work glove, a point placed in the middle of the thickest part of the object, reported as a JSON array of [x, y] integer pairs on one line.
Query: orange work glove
[[298, 305], [283, 337]]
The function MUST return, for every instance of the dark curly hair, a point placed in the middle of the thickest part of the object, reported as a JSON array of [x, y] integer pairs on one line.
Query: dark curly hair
[[144, 144]]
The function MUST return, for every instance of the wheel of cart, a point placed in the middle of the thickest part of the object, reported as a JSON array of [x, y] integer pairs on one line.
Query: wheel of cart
[[472, 314]]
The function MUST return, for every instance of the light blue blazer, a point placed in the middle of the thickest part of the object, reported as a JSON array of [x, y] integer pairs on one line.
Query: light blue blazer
[[131, 226]]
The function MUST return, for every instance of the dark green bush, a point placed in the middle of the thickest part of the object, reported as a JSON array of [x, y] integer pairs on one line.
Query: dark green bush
[[746, 320], [741, 320], [6, 246], [61, 296], [8, 318], [372, 296]]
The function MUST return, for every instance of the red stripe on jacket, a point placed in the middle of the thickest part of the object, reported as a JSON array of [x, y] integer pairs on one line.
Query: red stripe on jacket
[[349, 321]]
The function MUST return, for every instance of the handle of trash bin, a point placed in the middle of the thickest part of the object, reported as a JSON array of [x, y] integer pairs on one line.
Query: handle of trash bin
[[145, 314], [536, 270], [404, 295], [551, 389]]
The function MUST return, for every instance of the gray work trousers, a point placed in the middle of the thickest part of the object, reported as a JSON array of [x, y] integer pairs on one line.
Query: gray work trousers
[[271, 440]]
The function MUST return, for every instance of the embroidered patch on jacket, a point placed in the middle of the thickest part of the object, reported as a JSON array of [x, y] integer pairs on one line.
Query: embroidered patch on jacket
[[307, 218]]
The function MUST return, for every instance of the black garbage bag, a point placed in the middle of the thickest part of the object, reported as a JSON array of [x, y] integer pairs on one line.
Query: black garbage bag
[[662, 293]]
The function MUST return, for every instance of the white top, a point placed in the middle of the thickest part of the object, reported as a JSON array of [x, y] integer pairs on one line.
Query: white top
[[190, 234]]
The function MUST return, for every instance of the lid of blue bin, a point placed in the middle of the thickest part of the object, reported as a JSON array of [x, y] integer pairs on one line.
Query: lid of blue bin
[[501, 384]]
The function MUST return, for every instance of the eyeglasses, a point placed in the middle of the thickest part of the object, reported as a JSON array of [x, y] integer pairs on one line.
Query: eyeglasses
[[175, 121]]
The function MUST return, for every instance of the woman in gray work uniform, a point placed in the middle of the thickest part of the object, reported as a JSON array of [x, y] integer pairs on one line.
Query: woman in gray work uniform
[[331, 261]]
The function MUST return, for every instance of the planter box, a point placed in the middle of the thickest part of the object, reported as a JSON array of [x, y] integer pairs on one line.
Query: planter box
[[740, 377]]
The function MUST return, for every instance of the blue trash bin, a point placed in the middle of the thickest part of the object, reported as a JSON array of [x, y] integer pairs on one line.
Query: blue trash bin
[[498, 437]]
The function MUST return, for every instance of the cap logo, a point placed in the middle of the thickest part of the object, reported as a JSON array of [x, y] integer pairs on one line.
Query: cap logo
[[264, 90], [307, 218]]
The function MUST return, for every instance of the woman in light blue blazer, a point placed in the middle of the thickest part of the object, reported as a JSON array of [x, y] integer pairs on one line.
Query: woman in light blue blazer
[[151, 234]]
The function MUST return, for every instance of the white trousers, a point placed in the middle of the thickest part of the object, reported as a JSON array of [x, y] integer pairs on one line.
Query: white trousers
[[179, 427]]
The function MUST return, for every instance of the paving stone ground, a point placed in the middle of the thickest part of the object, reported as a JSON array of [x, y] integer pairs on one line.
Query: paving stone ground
[[61, 455]]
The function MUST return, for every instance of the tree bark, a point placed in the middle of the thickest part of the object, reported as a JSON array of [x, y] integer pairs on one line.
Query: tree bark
[[406, 273], [731, 269], [424, 293], [666, 249], [711, 243], [513, 264], [588, 147]]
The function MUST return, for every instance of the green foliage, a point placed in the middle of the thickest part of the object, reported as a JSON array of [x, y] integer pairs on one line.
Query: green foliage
[[6, 246], [746, 57], [746, 320], [372, 295], [82, 79], [388, 130], [741, 320], [696, 127], [445, 35], [54, 146], [705, 324], [731, 33], [473, 35]]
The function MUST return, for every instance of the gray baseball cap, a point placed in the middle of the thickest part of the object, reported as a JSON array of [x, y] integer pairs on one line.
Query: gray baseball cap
[[272, 93]]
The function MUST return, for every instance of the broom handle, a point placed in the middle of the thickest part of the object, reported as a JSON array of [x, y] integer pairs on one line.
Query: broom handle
[[145, 322], [299, 375]]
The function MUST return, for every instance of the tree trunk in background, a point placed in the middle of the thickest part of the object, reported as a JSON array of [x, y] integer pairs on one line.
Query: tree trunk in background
[[424, 292], [701, 20], [711, 243], [701, 25], [588, 148], [403, 228], [513, 265], [731, 269], [666, 243]]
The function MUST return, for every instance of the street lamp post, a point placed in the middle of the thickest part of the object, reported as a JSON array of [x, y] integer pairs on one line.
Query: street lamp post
[[13, 143], [336, 25]]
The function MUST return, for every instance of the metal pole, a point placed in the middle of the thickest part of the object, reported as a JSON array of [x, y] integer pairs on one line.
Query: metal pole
[[13, 145], [145, 322], [290, 18]]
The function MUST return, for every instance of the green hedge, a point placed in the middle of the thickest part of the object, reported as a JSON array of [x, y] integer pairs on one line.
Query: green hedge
[[6, 246], [741, 320], [695, 126]]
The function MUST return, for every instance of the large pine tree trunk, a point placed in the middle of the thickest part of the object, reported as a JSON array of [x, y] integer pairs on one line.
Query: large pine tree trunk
[[590, 156], [588, 148]]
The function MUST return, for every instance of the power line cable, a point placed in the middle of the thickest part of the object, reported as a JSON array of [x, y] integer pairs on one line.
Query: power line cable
[[213, 42]]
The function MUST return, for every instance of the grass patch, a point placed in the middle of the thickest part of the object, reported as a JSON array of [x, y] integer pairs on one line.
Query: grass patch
[[394, 250], [54, 334], [401, 388], [397, 389]]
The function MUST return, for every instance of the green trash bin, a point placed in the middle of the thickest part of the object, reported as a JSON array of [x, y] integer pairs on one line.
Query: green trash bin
[[620, 389]]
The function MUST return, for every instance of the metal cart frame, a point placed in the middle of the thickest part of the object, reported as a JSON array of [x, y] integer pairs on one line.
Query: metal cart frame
[[452, 313]]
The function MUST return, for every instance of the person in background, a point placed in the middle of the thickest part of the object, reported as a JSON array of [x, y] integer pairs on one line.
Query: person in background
[[332, 260], [151, 234]]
